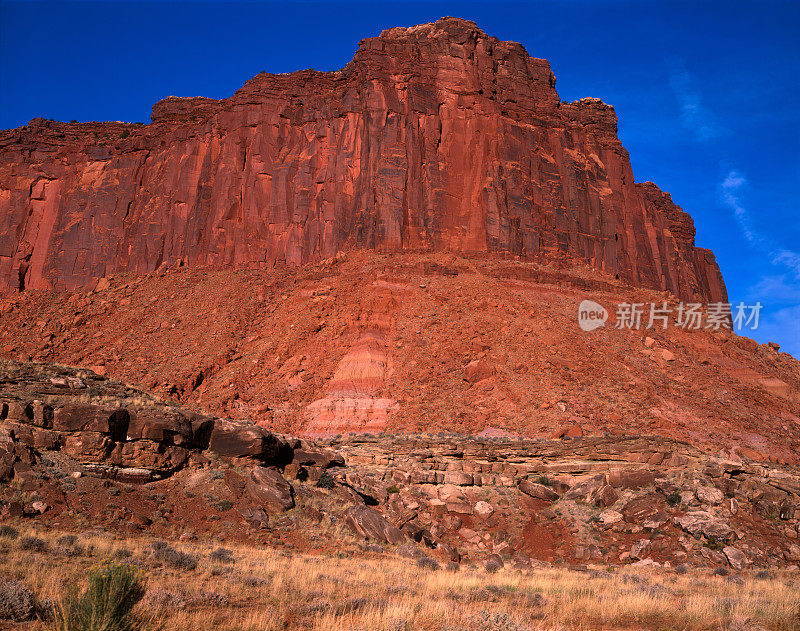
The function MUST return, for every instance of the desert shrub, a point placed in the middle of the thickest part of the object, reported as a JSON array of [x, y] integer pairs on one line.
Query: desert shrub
[[176, 558], [67, 540], [393, 489], [222, 555], [17, 602], [32, 543], [543, 479], [106, 604], [673, 499], [9, 532], [252, 581], [681, 569], [158, 545], [721, 571], [158, 599], [326, 481], [427, 563], [763, 575], [207, 597], [123, 553], [452, 566], [224, 505], [493, 565]]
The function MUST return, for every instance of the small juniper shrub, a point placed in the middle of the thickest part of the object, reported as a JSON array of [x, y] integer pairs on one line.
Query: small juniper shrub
[[223, 505], [106, 604], [326, 481], [673, 499]]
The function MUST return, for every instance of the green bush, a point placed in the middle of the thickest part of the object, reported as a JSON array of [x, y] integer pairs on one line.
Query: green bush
[[673, 499], [326, 481], [106, 604], [393, 489]]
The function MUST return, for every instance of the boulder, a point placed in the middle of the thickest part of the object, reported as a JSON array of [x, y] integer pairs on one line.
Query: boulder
[[640, 549], [237, 440], [709, 495], [605, 496], [569, 431], [644, 507], [477, 370], [630, 478], [736, 558], [325, 458], [458, 478], [370, 524], [270, 489], [610, 517], [171, 429], [92, 418], [539, 491], [483, 510], [585, 488], [705, 523]]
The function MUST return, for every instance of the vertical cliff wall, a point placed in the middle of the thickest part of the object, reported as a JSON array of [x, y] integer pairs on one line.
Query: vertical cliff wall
[[434, 137]]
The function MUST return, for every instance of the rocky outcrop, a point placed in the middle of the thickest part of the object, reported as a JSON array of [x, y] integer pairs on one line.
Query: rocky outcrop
[[78, 448], [125, 434], [435, 137]]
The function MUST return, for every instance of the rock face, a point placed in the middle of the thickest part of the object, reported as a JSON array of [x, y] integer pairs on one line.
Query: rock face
[[434, 137]]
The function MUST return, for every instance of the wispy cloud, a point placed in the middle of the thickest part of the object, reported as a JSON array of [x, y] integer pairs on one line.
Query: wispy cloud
[[694, 115], [782, 325], [730, 188], [777, 287]]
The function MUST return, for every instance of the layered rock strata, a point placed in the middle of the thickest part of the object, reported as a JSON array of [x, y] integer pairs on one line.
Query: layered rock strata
[[435, 137]]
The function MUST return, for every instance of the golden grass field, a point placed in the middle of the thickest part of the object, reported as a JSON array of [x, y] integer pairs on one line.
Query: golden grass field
[[264, 589]]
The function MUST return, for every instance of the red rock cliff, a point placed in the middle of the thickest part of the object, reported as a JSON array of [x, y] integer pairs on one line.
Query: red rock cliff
[[434, 137]]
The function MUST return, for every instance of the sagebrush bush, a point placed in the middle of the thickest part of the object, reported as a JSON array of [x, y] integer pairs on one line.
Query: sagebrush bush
[[9, 532], [17, 602], [176, 558], [427, 563], [106, 604], [67, 540], [222, 555], [32, 543], [493, 565]]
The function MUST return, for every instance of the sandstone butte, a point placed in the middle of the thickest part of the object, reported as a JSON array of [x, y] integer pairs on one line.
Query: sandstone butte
[[433, 138]]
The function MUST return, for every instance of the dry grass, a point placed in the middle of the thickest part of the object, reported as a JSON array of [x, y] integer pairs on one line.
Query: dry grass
[[267, 589]]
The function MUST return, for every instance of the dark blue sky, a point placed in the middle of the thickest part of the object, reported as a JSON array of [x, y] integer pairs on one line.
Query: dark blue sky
[[707, 93]]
